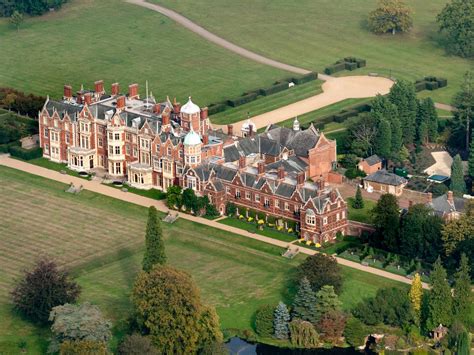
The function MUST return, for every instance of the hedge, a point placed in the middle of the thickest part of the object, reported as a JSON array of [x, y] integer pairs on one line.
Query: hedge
[[216, 108], [26, 154], [344, 115], [274, 89], [351, 66], [420, 86], [431, 85], [242, 100], [348, 63], [335, 68], [361, 63], [5, 148], [305, 78]]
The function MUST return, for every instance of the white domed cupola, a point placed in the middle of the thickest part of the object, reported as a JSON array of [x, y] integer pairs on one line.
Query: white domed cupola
[[192, 138], [192, 148], [190, 108], [296, 124]]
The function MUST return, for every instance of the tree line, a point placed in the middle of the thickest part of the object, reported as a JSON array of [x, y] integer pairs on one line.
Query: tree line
[[29, 7]]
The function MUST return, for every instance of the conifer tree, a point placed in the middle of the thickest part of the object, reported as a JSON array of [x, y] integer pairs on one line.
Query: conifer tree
[[432, 118], [403, 95], [440, 301], [281, 321], [416, 295], [458, 186], [462, 297], [397, 139], [463, 346], [383, 139], [327, 300], [304, 305], [471, 159], [358, 202], [154, 245]]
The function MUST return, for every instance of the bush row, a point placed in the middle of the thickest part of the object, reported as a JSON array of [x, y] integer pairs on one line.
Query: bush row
[[253, 95], [348, 63], [430, 83], [25, 154]]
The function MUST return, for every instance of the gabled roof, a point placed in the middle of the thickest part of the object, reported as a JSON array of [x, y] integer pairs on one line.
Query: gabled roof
[[442, 205], [372, 160], [386, 178]]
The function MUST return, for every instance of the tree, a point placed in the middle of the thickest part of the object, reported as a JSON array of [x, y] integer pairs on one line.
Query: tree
[[17, 19], [383, 139], [304, 304], [420, 233], [416, 296], [456, 22], [385, 217], [363, 132], [331, 325], [77, 323], [358, 202], [209, 328], [440, 301], [264, 320], [169, 309], [154, 245], [464, 344], [321, 270], [470, 165], [390, 16], [458, 230], [189, 200], [230, 209], [462, 295], [355, 332], [42, 288], [136, 344], [464, 114], [327, 301], [431, 118], [83, 347], [403, 96], [458, 186], [382, 107], [280, 321], [174, 198], [303, 335]]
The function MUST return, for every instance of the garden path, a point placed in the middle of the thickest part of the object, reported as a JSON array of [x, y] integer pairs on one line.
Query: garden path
[[97, 187]]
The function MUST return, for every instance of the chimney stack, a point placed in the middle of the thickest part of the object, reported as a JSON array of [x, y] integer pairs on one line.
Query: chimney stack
[[115, 89], [176, 106], [281, 172], [242, 162], [450, 197], [165, 119], [67, 92], [429, 197], [157, 108], [205, 139], [300, 178], [99, 87], [204, 113], [133, 91], [251, 131], [120, 102], [230, 130], [87, 98], [261, 168]]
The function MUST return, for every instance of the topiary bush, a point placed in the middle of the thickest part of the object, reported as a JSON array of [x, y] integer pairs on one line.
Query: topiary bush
[[274, 89]]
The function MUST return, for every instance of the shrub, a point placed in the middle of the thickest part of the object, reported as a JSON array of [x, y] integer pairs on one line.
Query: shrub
[[83, 347], [335, 68], [264, 320], [361, 63], [442, 82], [351, 66], [274, 89], [420, 86], [305, 78], [230, 209], [303, 335], [355, 332], [242, 100], [136, 344], [25, 154], [354, 173], [216, 108], [321, 270], [42, 288]]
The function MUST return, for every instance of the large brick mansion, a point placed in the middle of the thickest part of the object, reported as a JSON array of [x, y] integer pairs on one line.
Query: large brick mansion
[[152, 144]]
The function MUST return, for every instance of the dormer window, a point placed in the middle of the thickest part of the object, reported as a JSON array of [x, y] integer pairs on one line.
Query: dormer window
[[310, 217]]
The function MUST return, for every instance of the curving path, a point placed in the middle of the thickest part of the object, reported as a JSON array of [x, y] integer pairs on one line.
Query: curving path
[[216, 39], [97, 187], [334, 90]]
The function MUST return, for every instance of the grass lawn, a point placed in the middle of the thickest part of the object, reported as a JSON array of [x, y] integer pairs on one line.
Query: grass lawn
[[101, 239], [268, 103], [252, 227], [314, 34], [111, 40], [360, 215]]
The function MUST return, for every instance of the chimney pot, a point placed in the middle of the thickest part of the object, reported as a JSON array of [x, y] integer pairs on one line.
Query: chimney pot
[[99, 87], [176, 107], [300, 178], [133, 91], [67, 91], [115, 89], [205, 139], [87, 98], [204, 113], [230, 130], [120, 102], [281, 172]]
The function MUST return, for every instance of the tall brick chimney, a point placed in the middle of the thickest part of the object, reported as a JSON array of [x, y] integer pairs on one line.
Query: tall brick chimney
[[281, 172], [450, 197], [67, 92], [176, 106], [120, 102], [133, 91], [157, 108], [242, 162], [205, 139], [115, 89], [261, 168], [99, 86], [300, 178], [251, 131], [87, 98], [204, 113], [230, 130]]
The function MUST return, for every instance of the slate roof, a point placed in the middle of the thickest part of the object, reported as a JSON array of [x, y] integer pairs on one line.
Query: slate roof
[[285, 190], [386, 178], [299, 141], [62, 108], [442, 205], [373, 159], [324, 198]]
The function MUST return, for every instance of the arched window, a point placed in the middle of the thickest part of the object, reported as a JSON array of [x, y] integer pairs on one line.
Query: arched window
[[310, 217]]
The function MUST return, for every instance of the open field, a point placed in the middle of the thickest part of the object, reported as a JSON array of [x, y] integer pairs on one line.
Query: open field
[[268, 103], [90, 40], [314, 34], [44, 219]]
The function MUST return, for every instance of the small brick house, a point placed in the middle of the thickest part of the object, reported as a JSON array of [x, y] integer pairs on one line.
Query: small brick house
[[371, 164], [385, 182]]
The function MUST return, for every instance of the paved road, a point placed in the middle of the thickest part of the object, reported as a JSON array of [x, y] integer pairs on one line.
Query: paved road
[[97, 187], [334, 90], [216, 39]]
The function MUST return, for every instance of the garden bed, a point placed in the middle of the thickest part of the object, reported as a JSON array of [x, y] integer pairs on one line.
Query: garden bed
[[253, 227]]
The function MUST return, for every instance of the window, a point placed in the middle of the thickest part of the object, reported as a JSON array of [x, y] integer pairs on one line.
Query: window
[[118, 168], [127, 149], [191, 182], [145, 158], [247, 195], [66, 126], [266, 202], [325, 220], [237, 193], [128, 137], [45, 120], [337, 217], [310, 217], [117, 149], [277, 203], [257, 198], [111, 150], [117, 136], [181, 153], [111, 136], [227, 190], [343, 214], [46, 148], [56, 123], [287, 207], [135, 152], [100, 142], [168, 150], [46, 133], [84, 142], [67, 138]]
